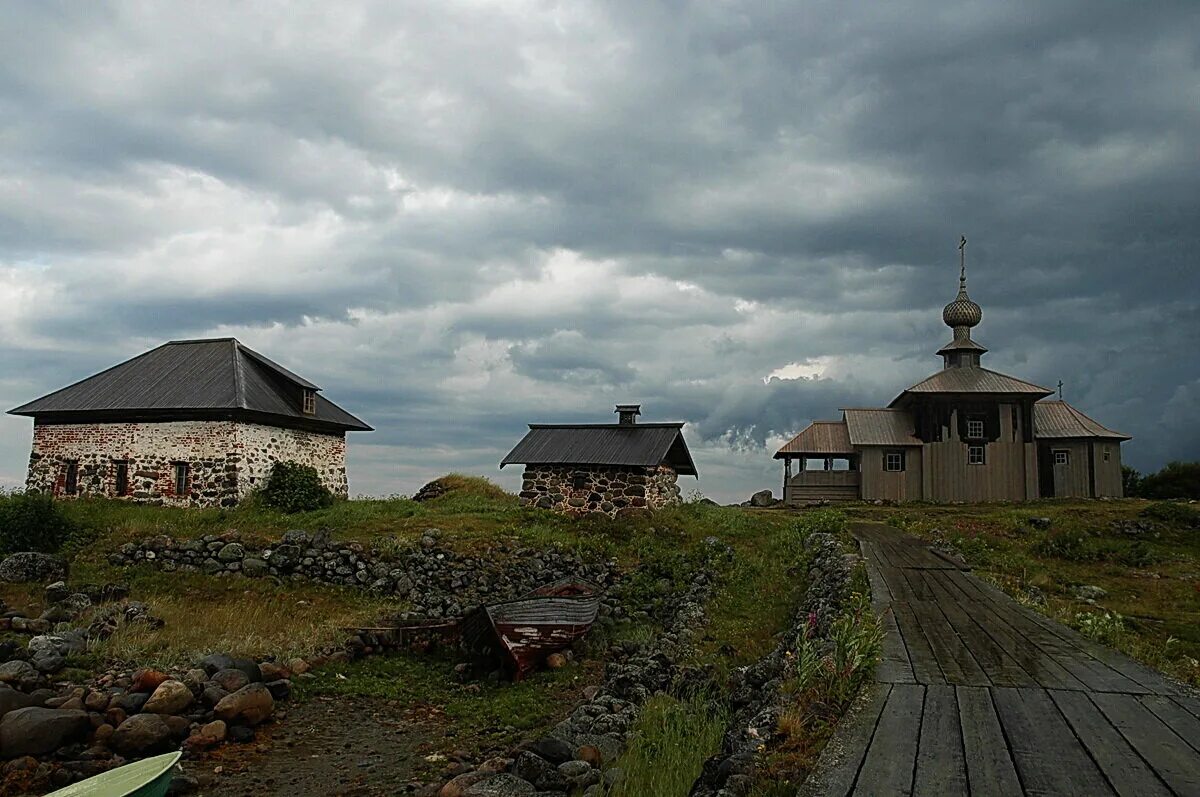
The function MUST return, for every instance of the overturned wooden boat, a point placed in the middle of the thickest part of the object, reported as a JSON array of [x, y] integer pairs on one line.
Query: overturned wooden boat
[[149, 777], [524, 631]]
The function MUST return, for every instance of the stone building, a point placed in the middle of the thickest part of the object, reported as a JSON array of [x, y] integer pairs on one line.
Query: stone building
[[190, 423], [603, 467], [964, 434]]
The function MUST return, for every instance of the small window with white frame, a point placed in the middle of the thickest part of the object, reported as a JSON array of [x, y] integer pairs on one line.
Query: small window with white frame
[[893, 461], [310, 402], [975, 455], [975, 428], [1062, 456], [1107, 450]]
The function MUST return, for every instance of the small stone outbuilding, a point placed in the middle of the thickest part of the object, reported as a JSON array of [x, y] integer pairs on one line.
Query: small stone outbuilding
[[190, 423], [603, 467]]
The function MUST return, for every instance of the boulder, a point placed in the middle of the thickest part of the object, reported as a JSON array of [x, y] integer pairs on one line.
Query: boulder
[[30, 566], [130, 702], [38, 731], [458, 785], [553, 749], [762, 498], [214, 662], [171, 697], [208, 735], [503, 785], [248, 666], [147, 680], [271, 671], [56, 592], [11, 700], [538, 771], [1090, 592], [61, 644], [251, 704], [230, 679], [254, 567], [49, 664], [231, 552], [141, 734], [15, 671]]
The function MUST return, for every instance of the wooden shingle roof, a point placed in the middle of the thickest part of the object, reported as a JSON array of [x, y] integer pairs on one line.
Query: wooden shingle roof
[[1058, 420], [209, 378], [608, 444], [821, 437], [973, 380], [880, 427]]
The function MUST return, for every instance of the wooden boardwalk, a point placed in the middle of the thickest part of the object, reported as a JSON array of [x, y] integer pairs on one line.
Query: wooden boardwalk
[[978, 695]]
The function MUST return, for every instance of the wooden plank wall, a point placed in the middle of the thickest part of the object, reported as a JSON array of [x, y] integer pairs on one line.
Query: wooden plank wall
[[1073, 479], [1002, 478], [892, 486], [1108, 474]]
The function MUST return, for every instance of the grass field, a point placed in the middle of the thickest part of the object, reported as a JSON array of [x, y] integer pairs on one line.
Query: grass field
[[1150, 576]]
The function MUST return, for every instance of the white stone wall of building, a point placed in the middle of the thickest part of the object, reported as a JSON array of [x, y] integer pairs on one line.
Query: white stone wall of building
[[226, 459], [579, 489], [150, 451], [262, 446]]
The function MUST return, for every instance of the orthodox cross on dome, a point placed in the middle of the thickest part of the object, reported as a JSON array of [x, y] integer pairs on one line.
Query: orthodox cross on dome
[[1060, 390], [962, 264]]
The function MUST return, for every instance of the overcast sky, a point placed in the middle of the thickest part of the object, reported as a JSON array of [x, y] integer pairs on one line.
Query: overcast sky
[[458, 218]]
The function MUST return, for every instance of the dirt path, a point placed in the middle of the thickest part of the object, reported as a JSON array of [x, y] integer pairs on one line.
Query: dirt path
[[334, 746], [979, 695]]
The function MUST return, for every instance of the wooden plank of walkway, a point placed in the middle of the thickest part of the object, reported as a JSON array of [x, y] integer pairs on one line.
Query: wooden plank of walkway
[[1049, 759], [925, 667], [990, 768], [894, 666], [1171, 757], [1119, 762], [888, 767], [941, 768], [957, 664], [1172, 714]]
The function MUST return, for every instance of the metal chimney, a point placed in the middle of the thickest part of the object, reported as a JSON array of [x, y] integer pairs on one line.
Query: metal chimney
[[627, 413]]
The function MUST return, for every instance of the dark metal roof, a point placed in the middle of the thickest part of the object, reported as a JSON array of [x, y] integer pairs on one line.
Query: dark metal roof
[[821, 437], [1059, 420], [192, 378], [639, 445], [973, 379]]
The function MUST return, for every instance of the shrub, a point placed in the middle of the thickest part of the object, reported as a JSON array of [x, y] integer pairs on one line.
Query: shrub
[[1131, 481], [1072, 546], [1107, 628], [32, 522], [1180, 515], [1176, 480], [293, 487]]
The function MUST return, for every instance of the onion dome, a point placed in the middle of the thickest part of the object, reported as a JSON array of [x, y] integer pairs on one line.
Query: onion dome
[[962, 312]]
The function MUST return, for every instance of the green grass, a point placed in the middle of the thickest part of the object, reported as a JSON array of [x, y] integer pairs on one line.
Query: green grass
[[669, 744], [1152, 579]]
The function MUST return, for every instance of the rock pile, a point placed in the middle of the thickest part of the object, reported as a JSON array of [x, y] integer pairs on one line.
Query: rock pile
[[438, 581], [756, 692]]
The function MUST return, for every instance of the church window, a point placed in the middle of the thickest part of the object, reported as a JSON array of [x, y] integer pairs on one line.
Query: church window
[[71, 478]]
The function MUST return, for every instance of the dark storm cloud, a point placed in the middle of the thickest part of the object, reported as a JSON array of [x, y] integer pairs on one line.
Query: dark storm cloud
[[459, 219]]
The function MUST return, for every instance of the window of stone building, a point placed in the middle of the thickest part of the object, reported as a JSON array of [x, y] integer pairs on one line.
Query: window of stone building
[[975, 455], [975, 428], [181, 478], [310, 402], [121, 476], [893, 461], [1062, 457], [579, 480], [71, 477]]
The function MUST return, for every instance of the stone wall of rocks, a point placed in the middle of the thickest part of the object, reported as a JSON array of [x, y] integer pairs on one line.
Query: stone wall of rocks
[[438, 581], [226, 460], [571, 759], [756, 695], [578, 490]]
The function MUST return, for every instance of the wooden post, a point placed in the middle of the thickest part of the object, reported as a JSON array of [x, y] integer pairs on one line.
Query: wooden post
[[787, 476]]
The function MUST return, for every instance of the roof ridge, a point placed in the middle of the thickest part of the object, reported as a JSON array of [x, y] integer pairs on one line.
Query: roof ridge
[[239, 379]]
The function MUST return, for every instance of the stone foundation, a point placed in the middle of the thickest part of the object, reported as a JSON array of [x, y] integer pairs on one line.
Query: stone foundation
[[225, 459], [582, 489]]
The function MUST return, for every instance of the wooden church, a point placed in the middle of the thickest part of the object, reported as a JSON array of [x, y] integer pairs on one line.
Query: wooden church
[[964, 434]]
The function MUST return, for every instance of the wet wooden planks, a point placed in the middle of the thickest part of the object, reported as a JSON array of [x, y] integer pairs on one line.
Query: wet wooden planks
[[979, 695]]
